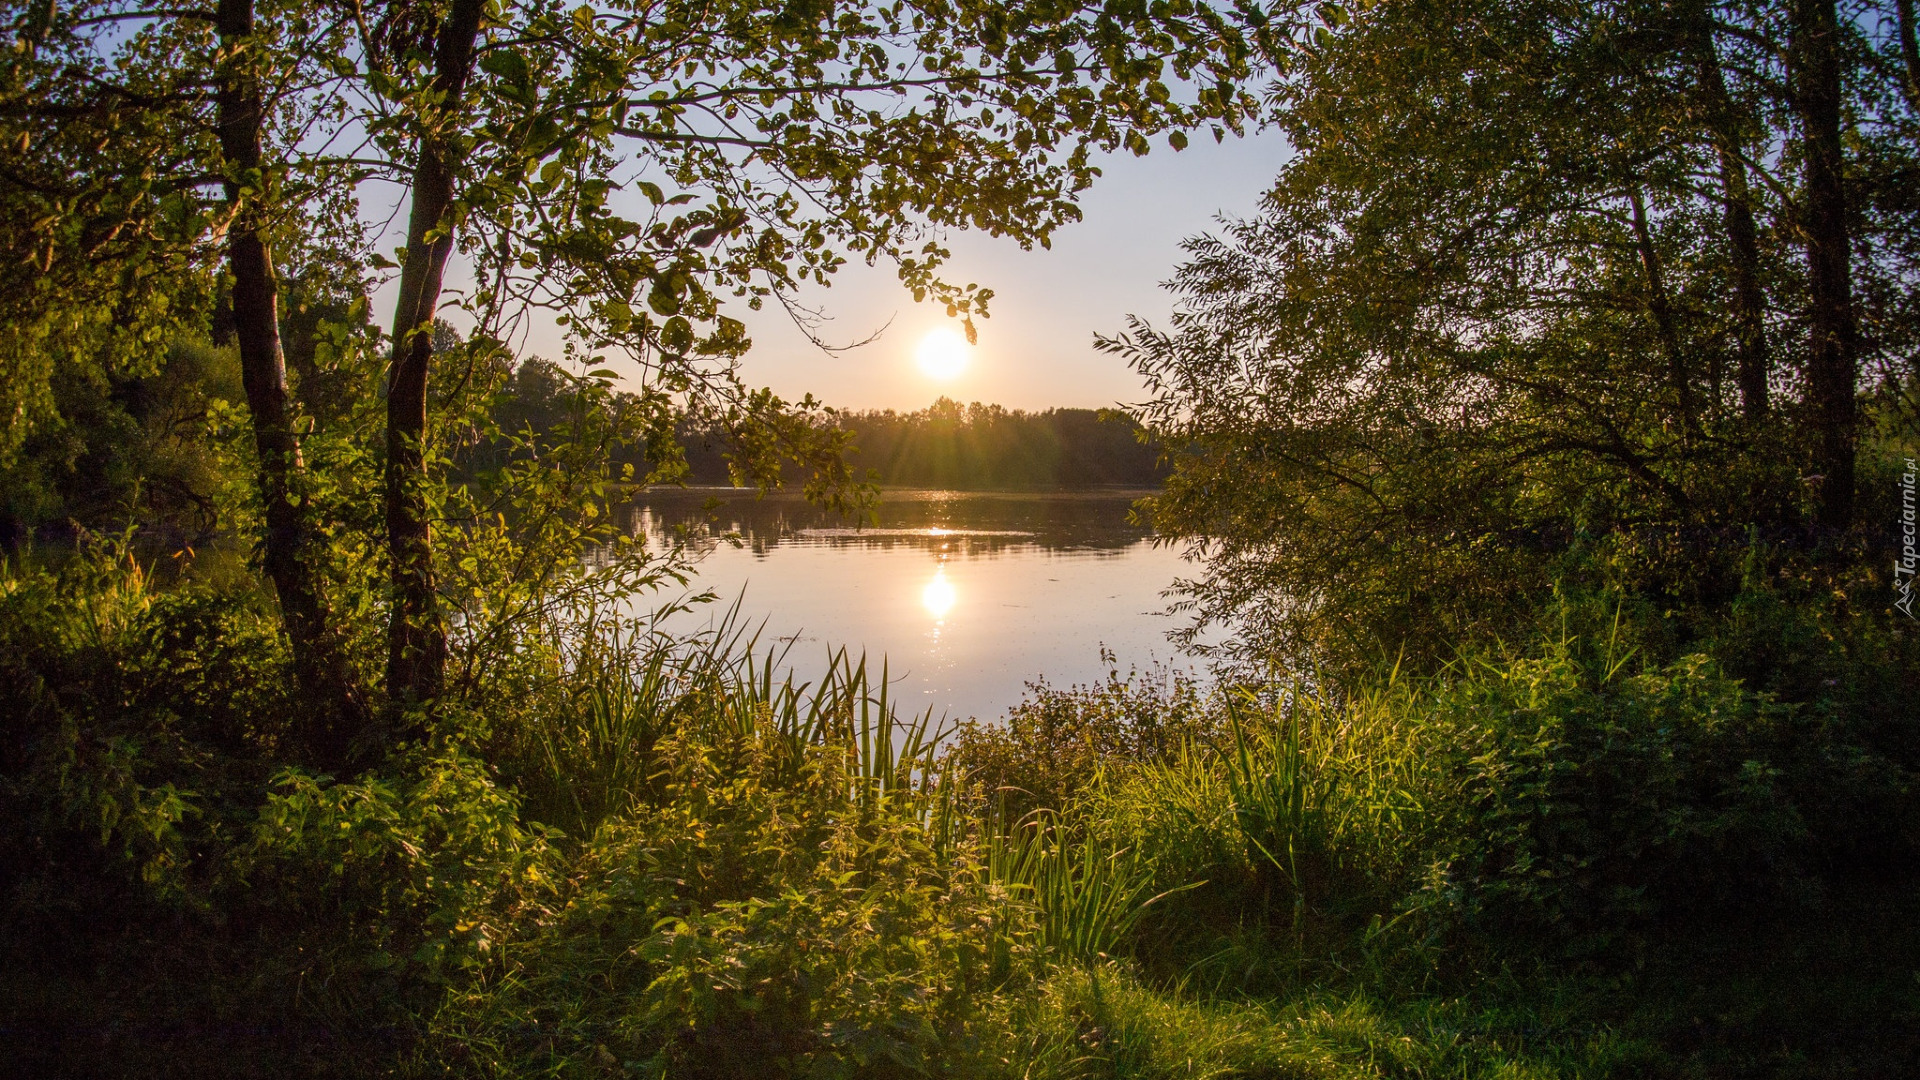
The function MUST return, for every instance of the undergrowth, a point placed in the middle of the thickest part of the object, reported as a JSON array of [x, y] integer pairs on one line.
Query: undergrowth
[[1599, 852]]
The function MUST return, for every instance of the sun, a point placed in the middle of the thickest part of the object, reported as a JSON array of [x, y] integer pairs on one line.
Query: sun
[[943, 354]]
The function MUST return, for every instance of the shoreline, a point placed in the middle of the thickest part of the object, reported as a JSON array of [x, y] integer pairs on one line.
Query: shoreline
[[909, 494]]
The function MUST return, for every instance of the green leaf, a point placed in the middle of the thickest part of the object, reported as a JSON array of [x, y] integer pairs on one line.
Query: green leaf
[[662, 299], [677, 335], [506, 64]]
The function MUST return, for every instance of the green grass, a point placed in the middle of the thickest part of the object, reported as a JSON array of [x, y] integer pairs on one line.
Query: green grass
[[587, 754], [682, 857]]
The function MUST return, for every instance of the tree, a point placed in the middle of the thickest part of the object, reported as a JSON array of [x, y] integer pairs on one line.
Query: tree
[[97, 206], [795, 139], [140, 117], [242, 64], [1832, 340], [627, 170], [1482, 320]]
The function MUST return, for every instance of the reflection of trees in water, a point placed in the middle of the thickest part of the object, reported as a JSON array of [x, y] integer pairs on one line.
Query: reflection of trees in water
[[962, 525]]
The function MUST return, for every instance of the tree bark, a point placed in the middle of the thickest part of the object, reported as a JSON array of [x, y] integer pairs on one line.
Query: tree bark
[[1832, 361], [1909, 53], [1662, 311], [1743, 245], [1749, 303], [325, 678], [416, 633]]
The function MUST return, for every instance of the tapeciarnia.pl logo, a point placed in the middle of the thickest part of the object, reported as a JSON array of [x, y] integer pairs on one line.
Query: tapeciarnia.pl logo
[[1903, 568]]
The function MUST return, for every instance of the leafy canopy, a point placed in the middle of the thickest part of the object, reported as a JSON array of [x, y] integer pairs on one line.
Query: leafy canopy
[[1491, 315]]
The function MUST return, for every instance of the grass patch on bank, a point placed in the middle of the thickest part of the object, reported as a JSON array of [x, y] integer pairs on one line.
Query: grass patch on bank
[[645, 856]]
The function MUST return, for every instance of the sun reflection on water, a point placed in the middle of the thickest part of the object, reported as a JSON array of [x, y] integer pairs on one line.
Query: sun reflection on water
[[938, 597]]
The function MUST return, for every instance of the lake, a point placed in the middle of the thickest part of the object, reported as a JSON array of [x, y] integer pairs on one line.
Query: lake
[[968, 596]]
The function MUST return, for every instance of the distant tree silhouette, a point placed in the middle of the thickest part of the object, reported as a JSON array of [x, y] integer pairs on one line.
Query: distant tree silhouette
[[979, 446], [946, 445]]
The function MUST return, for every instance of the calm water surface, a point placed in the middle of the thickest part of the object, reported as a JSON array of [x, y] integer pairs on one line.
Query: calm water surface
[[968, 596]]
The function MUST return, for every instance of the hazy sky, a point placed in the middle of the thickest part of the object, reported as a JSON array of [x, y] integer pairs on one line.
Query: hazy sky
[[1036, 350]]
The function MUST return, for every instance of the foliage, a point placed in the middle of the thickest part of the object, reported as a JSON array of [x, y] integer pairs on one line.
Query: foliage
[[944, 446], [1089, 894], [1578, 796], [155, 723], [984, 446], [754, 907], [1498, 383], [98, 267], [619, 172], [1527, 300], [1606, 806], [1056, 740], [585, 752], [123, 448], [681, 856], [132, 717], [430, 871]]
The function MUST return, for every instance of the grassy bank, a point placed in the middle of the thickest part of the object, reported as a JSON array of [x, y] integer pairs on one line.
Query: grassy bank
[[1593, 854]]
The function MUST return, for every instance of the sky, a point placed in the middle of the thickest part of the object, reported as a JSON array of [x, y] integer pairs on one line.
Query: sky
[[1035, 351]]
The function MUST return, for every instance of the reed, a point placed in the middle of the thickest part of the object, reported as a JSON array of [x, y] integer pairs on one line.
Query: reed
[[1350, 785], [589, 755], [1090, 894], [1281, 786]]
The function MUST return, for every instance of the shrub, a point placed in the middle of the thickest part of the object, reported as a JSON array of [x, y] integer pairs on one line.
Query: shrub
[[1556, 798], [1052, 743], [138, 724], [1597, 804], [751, 917], [425, 870]]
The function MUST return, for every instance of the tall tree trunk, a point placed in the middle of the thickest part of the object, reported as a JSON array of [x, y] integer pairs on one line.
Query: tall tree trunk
[[1662, 311], [1743, 245], [1832, 364], [1749, 303], [1909, 53], [326, 680], [416, 633]]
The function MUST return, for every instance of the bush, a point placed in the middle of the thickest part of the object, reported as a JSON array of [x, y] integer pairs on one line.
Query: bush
[[1598, 805], [1056, 740], [138, 726], [420, 874], [1559, 798], [758, 875], [750, 919]]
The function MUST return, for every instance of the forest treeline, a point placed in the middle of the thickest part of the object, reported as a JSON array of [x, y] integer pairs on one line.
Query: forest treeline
[[946, 445], [132, 448], [978, 447]]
